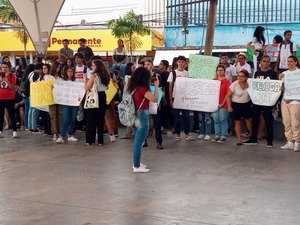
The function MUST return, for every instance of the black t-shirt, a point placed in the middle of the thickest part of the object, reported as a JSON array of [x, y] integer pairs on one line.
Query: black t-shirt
[[87, 52], [164, 82], [270, 73]]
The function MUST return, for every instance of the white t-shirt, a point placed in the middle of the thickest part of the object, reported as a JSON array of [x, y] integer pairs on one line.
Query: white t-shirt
[[285, 52], [238, 94], [48, 77], [246, 66], [183, 73], [230, 72], [286, 74], [79, 71], [257, 45]]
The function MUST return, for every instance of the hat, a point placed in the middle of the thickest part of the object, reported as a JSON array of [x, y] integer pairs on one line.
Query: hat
[[243, 54]]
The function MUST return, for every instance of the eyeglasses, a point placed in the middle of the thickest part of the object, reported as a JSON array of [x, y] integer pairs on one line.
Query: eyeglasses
[[221, 70]]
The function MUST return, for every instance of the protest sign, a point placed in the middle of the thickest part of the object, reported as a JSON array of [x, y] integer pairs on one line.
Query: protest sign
[[41, 93], [264, 92], [68, 93], [272, 51], [202, 66], [197, 94], [292, 86], [111, 91], [153, 106]]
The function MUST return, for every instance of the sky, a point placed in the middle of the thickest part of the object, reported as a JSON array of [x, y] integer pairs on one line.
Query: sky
[[96, 11]]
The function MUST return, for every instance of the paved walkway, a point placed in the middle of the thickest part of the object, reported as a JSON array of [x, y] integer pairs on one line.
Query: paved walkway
[[43, 183]]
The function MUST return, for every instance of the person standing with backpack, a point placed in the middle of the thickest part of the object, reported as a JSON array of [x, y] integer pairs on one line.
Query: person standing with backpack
[[139, 88], [286, 49]]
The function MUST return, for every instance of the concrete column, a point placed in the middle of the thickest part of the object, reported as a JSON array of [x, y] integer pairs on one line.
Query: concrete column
[[30, 58], [211, 27], [12, 59]]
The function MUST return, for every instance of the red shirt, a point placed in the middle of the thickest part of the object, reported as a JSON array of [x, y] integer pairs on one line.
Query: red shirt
[[5, 92], [225, 83], [138, 97]]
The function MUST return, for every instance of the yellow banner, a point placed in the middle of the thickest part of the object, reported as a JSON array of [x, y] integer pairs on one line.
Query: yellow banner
[[41, 93], [98, 40], [111, 91]]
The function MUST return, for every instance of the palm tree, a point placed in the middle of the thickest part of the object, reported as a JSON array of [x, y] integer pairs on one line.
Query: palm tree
[[8, 15], [128, 27]]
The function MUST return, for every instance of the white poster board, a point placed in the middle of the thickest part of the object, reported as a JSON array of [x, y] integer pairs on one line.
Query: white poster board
[[292, 86], [264, 92], [68, 93], [196, 94]]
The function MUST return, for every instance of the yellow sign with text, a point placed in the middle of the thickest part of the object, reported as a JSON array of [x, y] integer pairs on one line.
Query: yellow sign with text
[[111, 91], [98, 40], [41, 93]]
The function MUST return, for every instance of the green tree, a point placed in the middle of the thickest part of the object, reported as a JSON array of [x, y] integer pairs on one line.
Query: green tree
[[128, 27], [8, 15]]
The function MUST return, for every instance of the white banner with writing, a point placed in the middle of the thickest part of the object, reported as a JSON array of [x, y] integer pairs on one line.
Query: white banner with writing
[[68, 93], [264, 92], [292, 86], [196, 94]]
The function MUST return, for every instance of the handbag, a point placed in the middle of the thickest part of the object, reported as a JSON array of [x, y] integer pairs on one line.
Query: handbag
[[91, 98]]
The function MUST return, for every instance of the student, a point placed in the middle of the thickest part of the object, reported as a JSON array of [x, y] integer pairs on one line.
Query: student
[[290, 110], [85, 50], [69, 113], [80, 68], [242, 64], [7, 97], [95, 116], [139, 86], [265, 73], [230, 69], [65, 52], [286, 49], [179, 72], [119, 58]]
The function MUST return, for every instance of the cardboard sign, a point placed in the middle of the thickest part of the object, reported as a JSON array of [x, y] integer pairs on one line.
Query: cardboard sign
[[292, 86], [111, 91], [272, 51], [153, 106], [197, 94], [41, 93], [202, 66], [264, 92], [68, 92]]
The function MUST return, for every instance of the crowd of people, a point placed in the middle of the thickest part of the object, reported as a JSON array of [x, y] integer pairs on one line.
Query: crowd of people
[[235, 105]]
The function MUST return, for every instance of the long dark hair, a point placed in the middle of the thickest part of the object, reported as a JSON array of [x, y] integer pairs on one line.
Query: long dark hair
[[29, 69], [258, 33], [102, 72], [128, 68], [54, 67], [65, 73], [140, 78], [24, 63]]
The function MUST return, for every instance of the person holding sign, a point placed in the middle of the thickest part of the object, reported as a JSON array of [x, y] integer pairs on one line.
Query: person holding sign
[[265, 73], [179, 72], [221, 115], [69, 113], [239, 103], [290, 110], [139, 87]]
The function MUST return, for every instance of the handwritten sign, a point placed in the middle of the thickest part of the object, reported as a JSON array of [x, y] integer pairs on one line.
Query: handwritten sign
[[292, 86], [272, 51], [202, 66], [197, 94], [41, 93], [153, 106], [111, 91], [68, 92], [264, 92]]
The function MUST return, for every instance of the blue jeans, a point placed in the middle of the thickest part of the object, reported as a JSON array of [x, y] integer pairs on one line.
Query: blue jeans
[[204, 123], [221, 122], [186, 120], [33, 117], [140, 129], [26, 102], [122, 69], [69, 116], [157, 126]]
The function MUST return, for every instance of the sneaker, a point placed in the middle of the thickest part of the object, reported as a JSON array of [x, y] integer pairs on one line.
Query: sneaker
[[141, 165], [215, 140], [60, 140], [201, 136], [36, 131], [270, 145], [297, 146], [288, 146], [54, 137], [112, 138], [140, 170], [159, 146], [250, 142], [145, 144], [221, 140], [206, 138], [1, 134], [15, 134], [72, 138]]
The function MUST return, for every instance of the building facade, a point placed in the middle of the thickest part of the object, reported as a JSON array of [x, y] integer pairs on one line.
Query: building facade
[[154, 13], [235, 21]]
